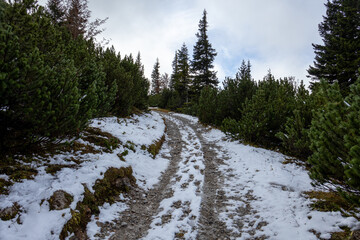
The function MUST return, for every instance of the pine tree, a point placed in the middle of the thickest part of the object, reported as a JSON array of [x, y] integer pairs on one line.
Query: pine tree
[[327, 134], [244, 72], [203, 58], [182, 82], [338, 59], [236, 91], [155, 78], [294, 137], [352, 137]]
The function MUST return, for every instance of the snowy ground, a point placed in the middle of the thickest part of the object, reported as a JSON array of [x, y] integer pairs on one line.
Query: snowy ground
[[275, 193], [36, 221], [262, 196]]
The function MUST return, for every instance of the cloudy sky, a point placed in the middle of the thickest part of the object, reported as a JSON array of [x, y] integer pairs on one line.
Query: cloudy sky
[[272, 34]]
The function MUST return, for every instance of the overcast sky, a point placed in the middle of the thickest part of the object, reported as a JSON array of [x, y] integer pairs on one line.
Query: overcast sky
[[272, 34]]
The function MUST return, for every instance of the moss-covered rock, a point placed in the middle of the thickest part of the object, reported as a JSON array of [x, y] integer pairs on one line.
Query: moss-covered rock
[[60, 200]]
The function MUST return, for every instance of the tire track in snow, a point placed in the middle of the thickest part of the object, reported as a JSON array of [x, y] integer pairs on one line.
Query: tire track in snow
[[213, 199], [135, 221], [179, 214]]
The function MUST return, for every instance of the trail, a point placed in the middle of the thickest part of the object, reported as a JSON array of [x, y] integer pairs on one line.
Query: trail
[[217, 189]]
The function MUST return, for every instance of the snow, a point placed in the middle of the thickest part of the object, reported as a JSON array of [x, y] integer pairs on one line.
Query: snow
[[107, 214], [262, 193], [275, 193], [183, 207], [36, 219]]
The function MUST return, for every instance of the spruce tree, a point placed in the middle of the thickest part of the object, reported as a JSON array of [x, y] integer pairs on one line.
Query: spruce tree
[[203, 58], [155, 78], [182, 82], [77, 17], [338, 58], [175, 73], [57, 10]]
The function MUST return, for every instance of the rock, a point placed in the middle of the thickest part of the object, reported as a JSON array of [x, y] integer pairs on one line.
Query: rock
[[60, 200], [9, 212]]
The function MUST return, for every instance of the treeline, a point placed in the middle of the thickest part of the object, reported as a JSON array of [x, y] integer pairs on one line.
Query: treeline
[[321, 126], [54, 76]]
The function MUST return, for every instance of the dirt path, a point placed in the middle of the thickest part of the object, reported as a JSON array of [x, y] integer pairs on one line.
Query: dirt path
[[188, 199]]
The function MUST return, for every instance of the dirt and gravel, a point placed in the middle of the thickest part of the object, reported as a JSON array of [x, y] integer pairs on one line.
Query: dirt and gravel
[[134, 223]]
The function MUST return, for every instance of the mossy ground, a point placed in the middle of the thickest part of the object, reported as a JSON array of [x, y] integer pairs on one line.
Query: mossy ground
[[154, 148], [102, 139], [115, 181], [332, 201]]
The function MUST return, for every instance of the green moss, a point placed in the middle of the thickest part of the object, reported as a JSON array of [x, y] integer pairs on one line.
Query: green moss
[[154, 148], [17, 172], [345, 234], [54, 168], [328, 201], [130, 145], [102, 139], [4, 186], [106, 189], [122, 155]]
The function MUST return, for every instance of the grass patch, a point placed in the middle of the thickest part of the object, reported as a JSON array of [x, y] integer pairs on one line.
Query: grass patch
[[122, 155], [130, 145], [329, 201], [54, 168], [115, 181], [161, 110], [76, 146], [4, 185], [154, 148], [102, 139], [18, 172]]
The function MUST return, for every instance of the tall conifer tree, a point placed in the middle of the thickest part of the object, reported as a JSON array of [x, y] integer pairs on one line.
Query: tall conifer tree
[[175, 73], [155, 78], [338, 58], [57, 10], [183, 80], [203, 58]]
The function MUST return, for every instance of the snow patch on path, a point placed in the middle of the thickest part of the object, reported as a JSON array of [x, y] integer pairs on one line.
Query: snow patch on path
[[274, 192], [179, 214]]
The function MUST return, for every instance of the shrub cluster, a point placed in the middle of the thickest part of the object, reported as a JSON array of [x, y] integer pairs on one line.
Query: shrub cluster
[[52, 83]]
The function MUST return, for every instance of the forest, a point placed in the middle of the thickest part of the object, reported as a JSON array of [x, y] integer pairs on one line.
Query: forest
[[55, 76]]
